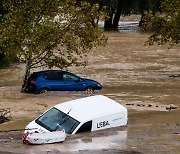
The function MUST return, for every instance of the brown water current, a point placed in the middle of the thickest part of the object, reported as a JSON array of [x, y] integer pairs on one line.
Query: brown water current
[[145, 79]]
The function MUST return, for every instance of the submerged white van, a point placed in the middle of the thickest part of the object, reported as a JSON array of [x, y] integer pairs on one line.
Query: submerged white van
[[81, 115]]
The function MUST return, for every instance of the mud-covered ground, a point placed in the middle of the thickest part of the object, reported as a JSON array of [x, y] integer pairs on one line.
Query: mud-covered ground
[[142, 78]]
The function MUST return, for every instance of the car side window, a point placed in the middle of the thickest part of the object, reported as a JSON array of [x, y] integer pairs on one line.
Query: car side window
[[85, 127], [53, 76], [69, 77]]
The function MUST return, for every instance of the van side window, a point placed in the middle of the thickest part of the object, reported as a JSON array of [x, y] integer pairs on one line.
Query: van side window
[[85, 127]]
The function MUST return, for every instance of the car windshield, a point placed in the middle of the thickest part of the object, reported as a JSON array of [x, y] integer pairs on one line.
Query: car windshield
[[55, 119]]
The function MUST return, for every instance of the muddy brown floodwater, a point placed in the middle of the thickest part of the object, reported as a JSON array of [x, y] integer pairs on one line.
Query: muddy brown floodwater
[[142, 78]]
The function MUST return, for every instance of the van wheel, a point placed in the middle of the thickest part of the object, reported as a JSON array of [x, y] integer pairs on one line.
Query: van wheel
[[43, 90], [89, 90]]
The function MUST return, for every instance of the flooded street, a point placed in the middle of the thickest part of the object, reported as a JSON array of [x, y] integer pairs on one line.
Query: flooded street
[[142, 78]]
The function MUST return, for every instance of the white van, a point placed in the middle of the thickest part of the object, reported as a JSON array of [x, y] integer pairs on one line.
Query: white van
[[81, 115]]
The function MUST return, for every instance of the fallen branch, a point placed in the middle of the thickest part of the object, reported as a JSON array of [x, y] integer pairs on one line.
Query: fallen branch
[[5, 115]]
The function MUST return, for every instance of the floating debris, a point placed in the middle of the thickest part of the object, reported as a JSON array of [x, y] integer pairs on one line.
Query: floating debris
[[175, 75], [171, 106], [151, 106]]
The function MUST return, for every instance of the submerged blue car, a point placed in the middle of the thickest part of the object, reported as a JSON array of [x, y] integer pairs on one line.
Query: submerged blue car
[[56, 80]]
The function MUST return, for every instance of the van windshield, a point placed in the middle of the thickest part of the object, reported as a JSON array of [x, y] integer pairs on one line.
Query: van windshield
[[55, 119]]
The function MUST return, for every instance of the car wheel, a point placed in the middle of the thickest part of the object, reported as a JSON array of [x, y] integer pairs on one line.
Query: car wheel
[[89, 90], [43, 90]]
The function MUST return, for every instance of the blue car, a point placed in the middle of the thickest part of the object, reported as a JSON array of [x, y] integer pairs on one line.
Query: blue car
[[56, 80]]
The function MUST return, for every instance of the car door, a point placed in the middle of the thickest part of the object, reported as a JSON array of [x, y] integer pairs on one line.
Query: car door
[[72, 82], [54, 81]]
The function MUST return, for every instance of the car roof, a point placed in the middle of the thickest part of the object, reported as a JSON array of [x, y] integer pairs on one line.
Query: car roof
[[50, 71], [89, 108], [47, 71]]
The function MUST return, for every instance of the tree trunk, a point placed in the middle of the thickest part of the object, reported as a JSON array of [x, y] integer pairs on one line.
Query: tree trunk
[[117, 16], [141, 22], [27, 74], [108, 22]]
